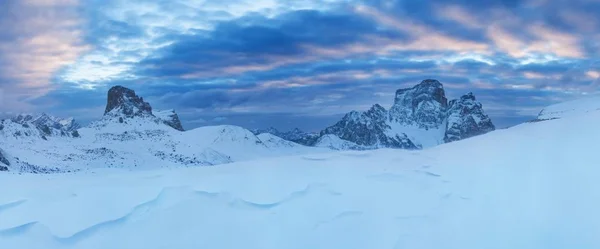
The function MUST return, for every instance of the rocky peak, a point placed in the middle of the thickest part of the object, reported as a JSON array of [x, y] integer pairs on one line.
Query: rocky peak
[[368, 129], [377, 111], [67, 124], [421, 116], [124, 101], [466, 118], [22, 118], [170, 118], [467, 97], [271, 130], [423, 105], [124, 104], [43, 125]]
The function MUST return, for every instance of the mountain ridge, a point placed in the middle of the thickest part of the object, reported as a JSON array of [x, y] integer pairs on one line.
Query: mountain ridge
[[420, 117]]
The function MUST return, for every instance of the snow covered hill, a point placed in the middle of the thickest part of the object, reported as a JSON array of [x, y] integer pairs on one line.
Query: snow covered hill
[[130, 135], [335, 143], [570, 108], [521, 188]]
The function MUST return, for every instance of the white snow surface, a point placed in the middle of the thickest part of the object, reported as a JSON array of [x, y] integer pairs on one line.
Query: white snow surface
[[533, 186], [571, 108], [139, 143], [335, 143], [426, 138], [163, 114]]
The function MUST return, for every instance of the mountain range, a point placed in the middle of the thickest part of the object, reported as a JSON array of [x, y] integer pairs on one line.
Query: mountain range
[[131, 134], [420, 117], [531, 186]]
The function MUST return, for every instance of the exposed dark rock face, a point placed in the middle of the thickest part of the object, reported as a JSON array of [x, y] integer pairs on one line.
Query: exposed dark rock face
[[46, 125], [420, 113], [170, 118], [368, 129], [423, 105], [466, 119], [124, 101], [44, 119], [4, 163]]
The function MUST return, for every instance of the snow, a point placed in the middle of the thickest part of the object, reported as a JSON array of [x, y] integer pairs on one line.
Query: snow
[[139, 143], [571, 108], [425, 137], [335, 143], [164, 114], [523, 187], [273, 141]]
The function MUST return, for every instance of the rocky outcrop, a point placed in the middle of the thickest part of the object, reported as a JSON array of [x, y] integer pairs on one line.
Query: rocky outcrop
[[369, 129], [42, 126], [423, 105], [4, 163], [420, 116], [123, 101], [170, 118], [68, 124], [466, 119]]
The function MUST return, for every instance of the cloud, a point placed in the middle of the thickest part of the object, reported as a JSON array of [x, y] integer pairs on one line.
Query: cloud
[[238, 58], [264, 44], [39, 37]]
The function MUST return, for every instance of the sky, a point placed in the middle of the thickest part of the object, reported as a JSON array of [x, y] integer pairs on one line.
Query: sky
[[283, 63]]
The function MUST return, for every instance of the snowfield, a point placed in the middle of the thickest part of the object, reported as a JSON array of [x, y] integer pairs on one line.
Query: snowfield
[[531, 186], [570, 108]]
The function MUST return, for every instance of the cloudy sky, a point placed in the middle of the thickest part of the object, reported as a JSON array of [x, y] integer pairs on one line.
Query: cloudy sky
[[294, 63]]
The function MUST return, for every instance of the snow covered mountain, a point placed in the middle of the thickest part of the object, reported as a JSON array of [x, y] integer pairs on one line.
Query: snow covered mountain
[[123, 103], [40, 126], [465, 118], [296, 135], [129, 135], [420, 117], [335, 143], [524, 187]]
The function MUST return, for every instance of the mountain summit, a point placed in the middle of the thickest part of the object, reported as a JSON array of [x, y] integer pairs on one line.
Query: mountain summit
[[122, 100], [422, 105], [123, 103], [421, 116]]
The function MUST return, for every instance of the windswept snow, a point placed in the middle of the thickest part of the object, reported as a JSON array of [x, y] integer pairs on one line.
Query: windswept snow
[[571, 108], [335, 143], [519, 188], [138, 143]]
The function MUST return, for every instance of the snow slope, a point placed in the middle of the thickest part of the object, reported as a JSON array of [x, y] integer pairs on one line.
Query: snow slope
[[519, 188], [570, 108], [137, 143], [335, 143]]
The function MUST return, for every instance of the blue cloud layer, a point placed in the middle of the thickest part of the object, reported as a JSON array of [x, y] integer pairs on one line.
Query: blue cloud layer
[[317, 59]]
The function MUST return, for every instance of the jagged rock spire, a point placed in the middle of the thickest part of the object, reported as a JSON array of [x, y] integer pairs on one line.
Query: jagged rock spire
[[466, 118], [122, 100]]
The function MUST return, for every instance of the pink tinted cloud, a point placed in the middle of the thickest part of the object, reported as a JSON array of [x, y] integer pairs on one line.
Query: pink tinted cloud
[[44, 37]]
